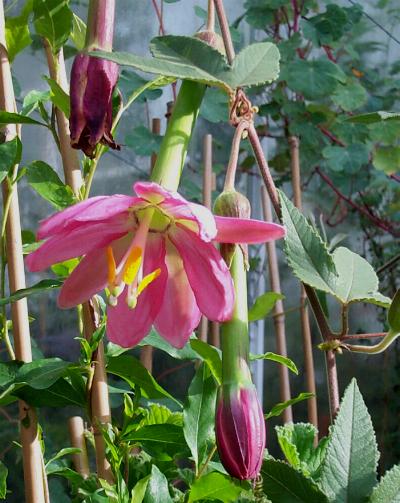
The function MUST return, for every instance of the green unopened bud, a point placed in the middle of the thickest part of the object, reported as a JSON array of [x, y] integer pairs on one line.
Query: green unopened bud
[[212, 39]]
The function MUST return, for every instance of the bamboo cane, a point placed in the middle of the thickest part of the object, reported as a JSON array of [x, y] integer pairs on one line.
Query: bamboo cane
[[146, 353], [34, 476], [77, 436], [100, 406], [278, 311], [304, 316]]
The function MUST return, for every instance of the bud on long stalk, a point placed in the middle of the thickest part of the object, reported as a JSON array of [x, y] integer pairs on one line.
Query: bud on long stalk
[[240, 425]]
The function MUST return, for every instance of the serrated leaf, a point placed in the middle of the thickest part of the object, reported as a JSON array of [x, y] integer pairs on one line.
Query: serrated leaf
[[283, 360], [214, 486], [284, 484], [388, 489], [42, 286], [357, 280], [387, 159], [280, 407], [210, 355], [53, 21], [159, 414], [350, 96], [199, 413], [10, 154], [45, 181], [347, 160], [307, 254], [263, 305], [349, 469], [372, 117]]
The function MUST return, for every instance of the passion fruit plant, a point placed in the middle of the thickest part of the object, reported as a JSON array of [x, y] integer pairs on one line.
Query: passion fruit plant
[[145, 269]]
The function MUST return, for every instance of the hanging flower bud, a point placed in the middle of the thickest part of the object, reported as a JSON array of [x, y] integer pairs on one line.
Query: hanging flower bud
[[240, 431], [93, 81], [213, 39]]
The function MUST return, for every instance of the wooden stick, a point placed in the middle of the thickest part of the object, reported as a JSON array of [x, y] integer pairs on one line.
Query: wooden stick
[[34, 476], [77, 436], [100, 406], [146, 353], [279, 316], [304, 316], [70, 160]]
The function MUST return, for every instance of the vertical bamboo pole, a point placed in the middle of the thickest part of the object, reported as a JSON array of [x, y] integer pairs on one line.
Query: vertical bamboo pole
[[278, 311], [304, 316], [146, 353], [77, 436], [100, 405], [34, 476]]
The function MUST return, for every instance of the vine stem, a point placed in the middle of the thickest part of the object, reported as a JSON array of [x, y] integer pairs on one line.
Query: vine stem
[[99, 406], [34, 477], [211, 16], [304, 317], [273, 195], [234, 157]]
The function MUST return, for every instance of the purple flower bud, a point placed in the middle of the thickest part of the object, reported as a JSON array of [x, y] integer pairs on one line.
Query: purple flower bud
[[92, 84], [240, 431]]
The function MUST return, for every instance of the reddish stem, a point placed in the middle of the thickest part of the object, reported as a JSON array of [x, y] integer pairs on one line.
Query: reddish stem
[[296, 15]]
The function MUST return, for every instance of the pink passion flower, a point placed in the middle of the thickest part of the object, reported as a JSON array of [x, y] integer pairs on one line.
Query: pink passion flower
[[154, 254]]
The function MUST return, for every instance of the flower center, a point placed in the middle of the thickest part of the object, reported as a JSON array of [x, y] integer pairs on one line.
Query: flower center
[[159, 221], [130, 270]]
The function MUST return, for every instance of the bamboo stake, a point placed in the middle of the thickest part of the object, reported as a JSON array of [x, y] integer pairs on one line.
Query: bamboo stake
[[146, 353], [304, 316], [100, 407], [34, 476], [77, 436], [279, 314], [72, 171]]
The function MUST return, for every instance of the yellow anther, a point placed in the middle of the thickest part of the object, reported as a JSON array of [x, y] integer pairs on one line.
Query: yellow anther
[[147, 280], [132, 265], [112, 268]]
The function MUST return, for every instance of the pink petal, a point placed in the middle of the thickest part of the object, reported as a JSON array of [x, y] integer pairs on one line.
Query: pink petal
[[91, 275], [94, 209], [241, 230], [154, 193], [126, 326], [208, 274], [77, 242], [179, 314]]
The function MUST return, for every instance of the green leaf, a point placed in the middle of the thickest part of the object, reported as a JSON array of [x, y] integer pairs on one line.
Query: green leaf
[[387, 159], [63, 452], [350, 96], [165, 440], [12, 118], [313, 79], [347, 160], [263, 305], [155, 340], [139, 491], [284, 484], [349, 469], [214, 107], [394, 313], [210, 355], [78, 33], [214, 486], [143, 141], [43, 373], [132, 371], [157, 488], [372, 117], [60, 394], [159, 414], [17, 34], [3, 480], [32, 101], [357, 280], [59, 97], [297, 444], [307, 254], [199, 414], [283, 360], [388, 489], [45, 181], [280, 407], [42, 286], [53, 21], [10, 155]]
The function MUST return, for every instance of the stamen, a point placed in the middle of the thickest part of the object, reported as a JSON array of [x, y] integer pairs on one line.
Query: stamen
[[111, 265], [147, 280], [132, 265]]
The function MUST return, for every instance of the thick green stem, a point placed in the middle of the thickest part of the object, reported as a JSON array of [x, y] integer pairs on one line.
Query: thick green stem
[[235, 333], [172, 155]]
